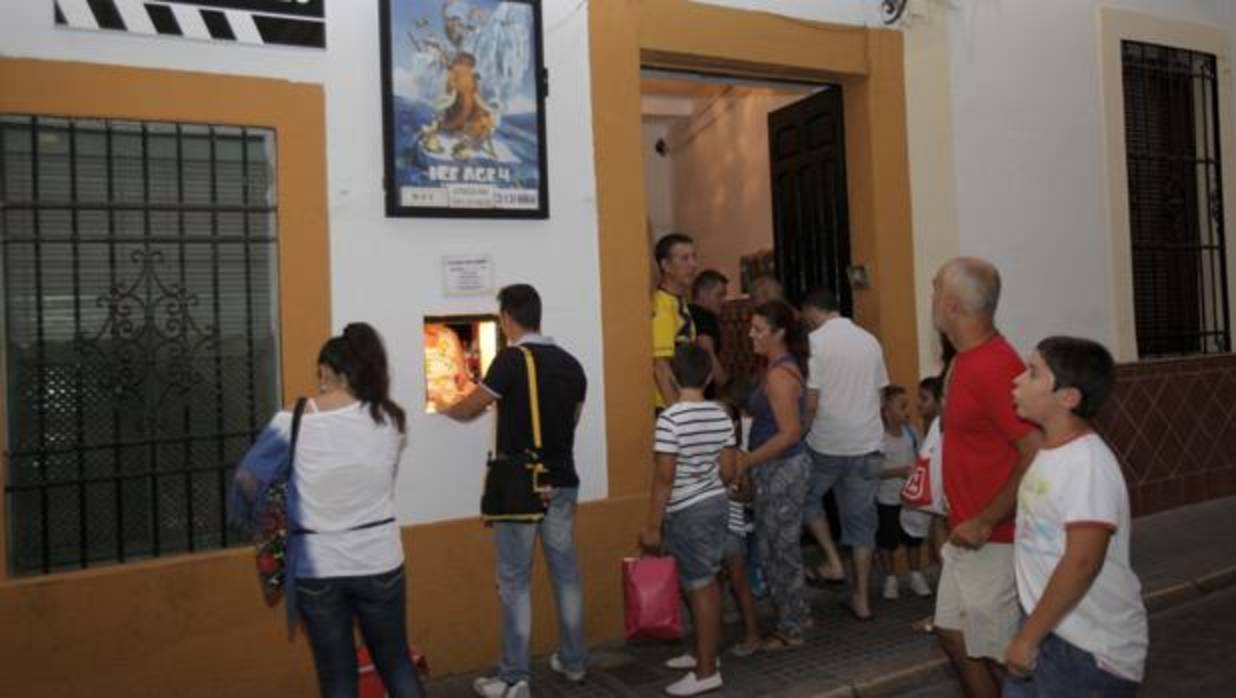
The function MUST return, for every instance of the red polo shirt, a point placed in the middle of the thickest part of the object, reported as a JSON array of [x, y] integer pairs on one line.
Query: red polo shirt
[[980, 430]]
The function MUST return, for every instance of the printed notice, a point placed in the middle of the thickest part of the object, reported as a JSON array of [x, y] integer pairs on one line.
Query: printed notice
[[468, 275]]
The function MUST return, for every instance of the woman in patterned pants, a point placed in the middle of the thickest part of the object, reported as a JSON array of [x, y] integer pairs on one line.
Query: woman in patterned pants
[[778, 465]]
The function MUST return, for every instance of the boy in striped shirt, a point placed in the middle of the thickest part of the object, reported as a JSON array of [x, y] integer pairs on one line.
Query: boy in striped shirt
[[694, 461]]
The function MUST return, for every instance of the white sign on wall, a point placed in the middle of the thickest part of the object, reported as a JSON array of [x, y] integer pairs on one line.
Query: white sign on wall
[[468, 275]]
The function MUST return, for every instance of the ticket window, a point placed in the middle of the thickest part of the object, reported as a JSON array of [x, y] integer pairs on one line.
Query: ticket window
[[458, 351]]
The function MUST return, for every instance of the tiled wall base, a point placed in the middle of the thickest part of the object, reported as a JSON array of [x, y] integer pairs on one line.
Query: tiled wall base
[[1172, 424]]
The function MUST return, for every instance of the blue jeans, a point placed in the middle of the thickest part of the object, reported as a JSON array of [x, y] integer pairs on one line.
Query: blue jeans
[[331, 606], [1064, 670], [514, 546]]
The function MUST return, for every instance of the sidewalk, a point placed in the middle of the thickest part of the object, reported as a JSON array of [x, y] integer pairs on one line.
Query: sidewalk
[[1179, 555]]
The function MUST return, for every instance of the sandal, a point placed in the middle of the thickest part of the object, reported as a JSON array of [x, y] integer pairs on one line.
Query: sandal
[[746, 649], [813, 578], [775, 642]]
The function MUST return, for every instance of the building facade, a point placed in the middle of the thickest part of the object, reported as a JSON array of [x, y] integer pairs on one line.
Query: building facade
[[990, 128]]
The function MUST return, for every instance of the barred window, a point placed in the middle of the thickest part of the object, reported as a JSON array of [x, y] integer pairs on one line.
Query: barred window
[[141, 332], [1171, 113]]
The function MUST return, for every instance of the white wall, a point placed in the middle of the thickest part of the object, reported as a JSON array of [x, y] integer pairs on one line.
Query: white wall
[[658, 178], [722, 180], [386, 271], [1030, 160]]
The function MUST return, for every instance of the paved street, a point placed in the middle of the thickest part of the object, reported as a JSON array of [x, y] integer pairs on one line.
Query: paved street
[[1191, 649], [1177, 555]]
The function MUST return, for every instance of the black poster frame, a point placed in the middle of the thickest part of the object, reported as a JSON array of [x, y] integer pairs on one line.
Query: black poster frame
[[394, 206]]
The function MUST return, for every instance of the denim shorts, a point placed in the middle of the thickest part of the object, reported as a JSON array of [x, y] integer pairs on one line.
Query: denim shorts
[[735, 546], [695, 536], [1064, 669], [854, 481]]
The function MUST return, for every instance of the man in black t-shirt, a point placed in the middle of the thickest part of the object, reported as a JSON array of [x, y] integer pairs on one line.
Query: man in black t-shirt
[[707, 296], [561, 386]]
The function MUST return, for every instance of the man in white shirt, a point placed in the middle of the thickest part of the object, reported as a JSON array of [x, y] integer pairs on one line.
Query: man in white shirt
[[846, 435]]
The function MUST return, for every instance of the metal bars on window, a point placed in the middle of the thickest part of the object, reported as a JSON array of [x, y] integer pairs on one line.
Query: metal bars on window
[[1171, 113], [141, 353]]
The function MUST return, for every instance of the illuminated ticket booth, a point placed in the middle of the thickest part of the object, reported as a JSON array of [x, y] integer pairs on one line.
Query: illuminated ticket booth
[[458, 351]]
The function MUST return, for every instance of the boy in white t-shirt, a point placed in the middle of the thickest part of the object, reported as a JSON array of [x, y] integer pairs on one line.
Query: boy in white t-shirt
[[900, 451], [1085, 633]]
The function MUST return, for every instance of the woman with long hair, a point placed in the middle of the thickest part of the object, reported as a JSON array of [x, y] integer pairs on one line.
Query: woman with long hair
[[778, 465], [344, 561]]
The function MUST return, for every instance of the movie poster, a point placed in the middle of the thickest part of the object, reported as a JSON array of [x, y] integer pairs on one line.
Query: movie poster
[[463, 95]]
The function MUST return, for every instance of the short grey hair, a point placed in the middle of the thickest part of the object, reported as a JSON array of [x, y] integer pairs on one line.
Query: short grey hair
[[977, 284]]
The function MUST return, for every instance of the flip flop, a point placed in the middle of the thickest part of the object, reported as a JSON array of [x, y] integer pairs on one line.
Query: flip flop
[[813, 578], [776, 642], [855, 614]]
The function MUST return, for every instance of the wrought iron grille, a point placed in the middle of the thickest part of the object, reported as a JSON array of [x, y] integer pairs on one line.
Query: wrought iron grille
[[141, 356], [1171, 113]]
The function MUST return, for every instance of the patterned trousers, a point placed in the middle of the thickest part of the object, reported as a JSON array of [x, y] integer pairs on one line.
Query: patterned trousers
[[780, 490]]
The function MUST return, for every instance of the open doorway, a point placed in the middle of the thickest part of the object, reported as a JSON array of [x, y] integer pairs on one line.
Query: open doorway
[[754, 171]]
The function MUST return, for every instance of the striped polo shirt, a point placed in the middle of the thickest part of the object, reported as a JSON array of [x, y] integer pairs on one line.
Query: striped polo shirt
[[695, 432]]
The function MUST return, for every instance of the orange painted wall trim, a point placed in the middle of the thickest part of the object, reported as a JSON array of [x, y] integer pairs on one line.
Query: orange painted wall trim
[[153, 628], [193, 626], [295, 111], [676, 34]]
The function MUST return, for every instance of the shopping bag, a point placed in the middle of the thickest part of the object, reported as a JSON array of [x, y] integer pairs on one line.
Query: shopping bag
[[924, 486], [650, 591], [371, 683]]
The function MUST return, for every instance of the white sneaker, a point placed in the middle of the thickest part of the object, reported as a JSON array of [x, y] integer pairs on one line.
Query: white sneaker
[[890, 588], [919, 585], [685, 660], [691, 686], [682, 661], [494, 687], [572, 676]]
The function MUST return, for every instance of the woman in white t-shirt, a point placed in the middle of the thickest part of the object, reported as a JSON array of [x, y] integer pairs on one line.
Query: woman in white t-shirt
[[344, 555]]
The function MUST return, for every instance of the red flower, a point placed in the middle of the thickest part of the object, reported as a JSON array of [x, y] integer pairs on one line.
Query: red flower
[[267, 564]]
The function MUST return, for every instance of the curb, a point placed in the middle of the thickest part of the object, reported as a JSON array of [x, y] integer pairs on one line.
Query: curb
[[1215, 581], [891, 684], [1181, 592]]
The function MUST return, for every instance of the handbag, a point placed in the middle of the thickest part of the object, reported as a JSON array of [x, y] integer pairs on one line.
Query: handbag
[[924, 486], [515, 483], [271, 541], [650, 596]]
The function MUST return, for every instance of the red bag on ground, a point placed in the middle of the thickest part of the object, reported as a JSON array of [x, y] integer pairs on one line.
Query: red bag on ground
[[371, 683], [650, 591]]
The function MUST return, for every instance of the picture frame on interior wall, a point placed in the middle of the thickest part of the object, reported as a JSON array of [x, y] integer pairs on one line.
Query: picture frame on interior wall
[[463, 108]]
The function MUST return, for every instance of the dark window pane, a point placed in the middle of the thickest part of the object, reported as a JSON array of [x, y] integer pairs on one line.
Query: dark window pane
[[141, 340], [1175, 201]]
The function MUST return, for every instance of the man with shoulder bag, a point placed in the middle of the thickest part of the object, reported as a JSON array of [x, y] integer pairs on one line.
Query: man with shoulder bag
[[539, 389]]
